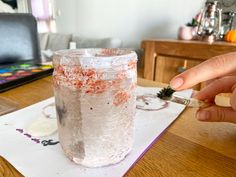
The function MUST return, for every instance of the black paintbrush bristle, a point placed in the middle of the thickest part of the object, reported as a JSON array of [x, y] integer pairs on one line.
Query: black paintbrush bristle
[[165, 93]]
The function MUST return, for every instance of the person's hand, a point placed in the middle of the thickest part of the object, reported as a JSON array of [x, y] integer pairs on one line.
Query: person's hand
[[220, 72]]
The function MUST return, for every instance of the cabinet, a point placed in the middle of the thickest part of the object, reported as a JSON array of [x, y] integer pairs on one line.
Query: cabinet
[[163, 59]]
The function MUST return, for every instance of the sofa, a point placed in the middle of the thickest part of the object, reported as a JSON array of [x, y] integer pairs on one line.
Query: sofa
[[50, 42]]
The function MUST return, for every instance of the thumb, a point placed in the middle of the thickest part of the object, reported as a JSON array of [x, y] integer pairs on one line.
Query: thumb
[[216, 114]]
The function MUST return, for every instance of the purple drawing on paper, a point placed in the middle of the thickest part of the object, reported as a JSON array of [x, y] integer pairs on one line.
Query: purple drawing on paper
[[19, 130], [37, 140], [28, 135]]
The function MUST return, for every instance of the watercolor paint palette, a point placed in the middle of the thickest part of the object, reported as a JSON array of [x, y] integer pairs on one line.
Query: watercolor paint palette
[[17, 74]]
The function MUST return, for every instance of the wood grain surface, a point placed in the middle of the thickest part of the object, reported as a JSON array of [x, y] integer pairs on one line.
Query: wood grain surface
[[188, 148], [164, 58]]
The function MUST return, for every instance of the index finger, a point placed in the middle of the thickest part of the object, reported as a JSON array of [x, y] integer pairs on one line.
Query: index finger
[[209, 69]]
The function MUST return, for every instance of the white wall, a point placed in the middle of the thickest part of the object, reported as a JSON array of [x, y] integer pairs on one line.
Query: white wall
[[129, 20]]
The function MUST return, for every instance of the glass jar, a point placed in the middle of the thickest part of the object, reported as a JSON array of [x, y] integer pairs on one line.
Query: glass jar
[[95, 103]]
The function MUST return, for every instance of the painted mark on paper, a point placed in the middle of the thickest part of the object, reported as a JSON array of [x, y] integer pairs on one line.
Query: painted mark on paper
[[49, 142], [150, 102], [44, 142]]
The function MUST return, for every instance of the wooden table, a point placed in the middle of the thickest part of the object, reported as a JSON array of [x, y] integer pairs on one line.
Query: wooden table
[[188, 148], [165, 58]]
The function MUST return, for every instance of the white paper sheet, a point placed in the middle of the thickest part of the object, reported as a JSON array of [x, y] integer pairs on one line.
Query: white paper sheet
[[33, 159]]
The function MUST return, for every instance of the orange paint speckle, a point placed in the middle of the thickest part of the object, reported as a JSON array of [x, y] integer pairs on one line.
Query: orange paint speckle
[[96, 87], [132, 64], [91, 81], [121, 97]]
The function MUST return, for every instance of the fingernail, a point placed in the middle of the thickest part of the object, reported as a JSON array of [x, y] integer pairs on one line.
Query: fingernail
[[203, 115], [176, 83]]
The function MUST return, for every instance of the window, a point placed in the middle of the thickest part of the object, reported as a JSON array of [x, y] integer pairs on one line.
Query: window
[[43, 10]]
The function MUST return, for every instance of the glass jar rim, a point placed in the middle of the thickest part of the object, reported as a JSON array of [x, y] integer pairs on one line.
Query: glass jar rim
[[107, 58], [101, 53]]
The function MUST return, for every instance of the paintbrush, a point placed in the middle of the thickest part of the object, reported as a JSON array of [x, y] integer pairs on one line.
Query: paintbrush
[[167, 94]]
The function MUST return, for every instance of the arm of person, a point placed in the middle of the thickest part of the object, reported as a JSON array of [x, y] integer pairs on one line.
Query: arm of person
[[219, 67]]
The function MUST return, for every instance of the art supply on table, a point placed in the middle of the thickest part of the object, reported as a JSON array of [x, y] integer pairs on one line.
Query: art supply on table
[[46, 124], [167, 94], [95, 98], [42, 127], [20, 73]]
